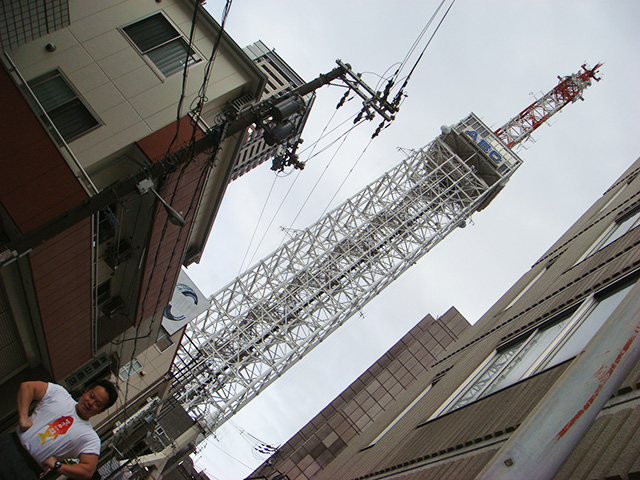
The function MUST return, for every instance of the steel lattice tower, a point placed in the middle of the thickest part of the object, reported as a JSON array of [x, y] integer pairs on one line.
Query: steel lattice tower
[[274, 313]]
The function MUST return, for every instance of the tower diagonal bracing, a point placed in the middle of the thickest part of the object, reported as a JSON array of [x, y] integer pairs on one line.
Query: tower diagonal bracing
[[278, 310]]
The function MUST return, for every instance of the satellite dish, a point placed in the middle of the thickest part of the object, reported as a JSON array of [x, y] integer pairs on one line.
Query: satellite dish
[[445, 129]]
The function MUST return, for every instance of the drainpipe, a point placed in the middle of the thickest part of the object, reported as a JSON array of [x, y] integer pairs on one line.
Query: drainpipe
[[539, 447]]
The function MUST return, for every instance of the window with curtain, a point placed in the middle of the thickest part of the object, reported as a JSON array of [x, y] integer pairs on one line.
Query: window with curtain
[[536, 351], [62, 105], [157, 39]]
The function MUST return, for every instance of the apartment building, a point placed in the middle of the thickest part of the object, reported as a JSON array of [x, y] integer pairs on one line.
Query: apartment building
[[383, 386]]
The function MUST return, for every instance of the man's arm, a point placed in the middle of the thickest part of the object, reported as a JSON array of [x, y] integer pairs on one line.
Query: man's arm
[[27, 393], [79, 471]]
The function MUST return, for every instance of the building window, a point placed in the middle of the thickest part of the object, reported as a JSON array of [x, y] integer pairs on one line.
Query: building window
[[157, 39], [108, 223], [62, 105], [526, 288], [536, 351], [164, 340], [103, 292], [131, 368], [618, 229]]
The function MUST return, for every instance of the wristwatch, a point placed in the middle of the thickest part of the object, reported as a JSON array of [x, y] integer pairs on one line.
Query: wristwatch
[[56, 465]]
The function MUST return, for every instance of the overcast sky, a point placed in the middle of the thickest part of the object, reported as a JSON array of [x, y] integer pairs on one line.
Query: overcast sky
[[490, 57]]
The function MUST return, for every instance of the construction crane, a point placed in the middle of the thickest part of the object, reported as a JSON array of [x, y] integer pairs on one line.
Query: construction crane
[[270, 316]]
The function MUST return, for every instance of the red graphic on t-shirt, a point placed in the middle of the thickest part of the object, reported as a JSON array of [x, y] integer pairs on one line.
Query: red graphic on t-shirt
[[59, 427]]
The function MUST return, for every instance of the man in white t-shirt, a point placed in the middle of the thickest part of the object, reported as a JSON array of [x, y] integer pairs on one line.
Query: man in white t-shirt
[[58, 429]]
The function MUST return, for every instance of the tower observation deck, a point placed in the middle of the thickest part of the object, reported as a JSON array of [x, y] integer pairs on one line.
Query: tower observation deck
[[270, 316]]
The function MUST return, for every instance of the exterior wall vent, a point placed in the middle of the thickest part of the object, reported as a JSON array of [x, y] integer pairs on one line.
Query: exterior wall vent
[[113, 307], [240, 102], [92, 371], [192, 256]]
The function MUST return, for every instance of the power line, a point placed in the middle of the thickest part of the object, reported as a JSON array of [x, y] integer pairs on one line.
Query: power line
[[286, 196], [398, 97], [255, 230], [201, 97], [333, 157], [346, 177], [267, 229], [231, 456], [200, 182], [417, 40], [185, 73]]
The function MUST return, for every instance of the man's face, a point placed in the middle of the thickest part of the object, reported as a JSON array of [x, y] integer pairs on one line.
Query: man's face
[[92, 402]]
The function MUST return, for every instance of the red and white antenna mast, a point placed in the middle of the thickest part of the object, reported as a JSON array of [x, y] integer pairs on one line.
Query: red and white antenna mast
[[568, 90]]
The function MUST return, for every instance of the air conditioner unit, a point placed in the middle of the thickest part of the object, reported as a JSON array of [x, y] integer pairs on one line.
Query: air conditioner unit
[[116, 255], [113, 307]]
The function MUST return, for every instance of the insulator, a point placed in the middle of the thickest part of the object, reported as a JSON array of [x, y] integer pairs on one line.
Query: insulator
[[387, 90], [378, 130], [295, 161], [277, 164], [343, 99]]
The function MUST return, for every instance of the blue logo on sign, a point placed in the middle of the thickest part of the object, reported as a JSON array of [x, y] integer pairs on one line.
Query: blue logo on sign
[[188, 292], [484, 145]]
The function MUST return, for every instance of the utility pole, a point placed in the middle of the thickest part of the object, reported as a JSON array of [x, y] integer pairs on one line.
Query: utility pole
[[271, 110]]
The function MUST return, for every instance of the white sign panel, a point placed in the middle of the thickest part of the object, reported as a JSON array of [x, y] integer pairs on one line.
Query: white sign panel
[[186, 304]]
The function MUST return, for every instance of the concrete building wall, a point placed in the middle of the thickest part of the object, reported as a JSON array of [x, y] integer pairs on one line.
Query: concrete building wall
[[458, 443], [68, 296]]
